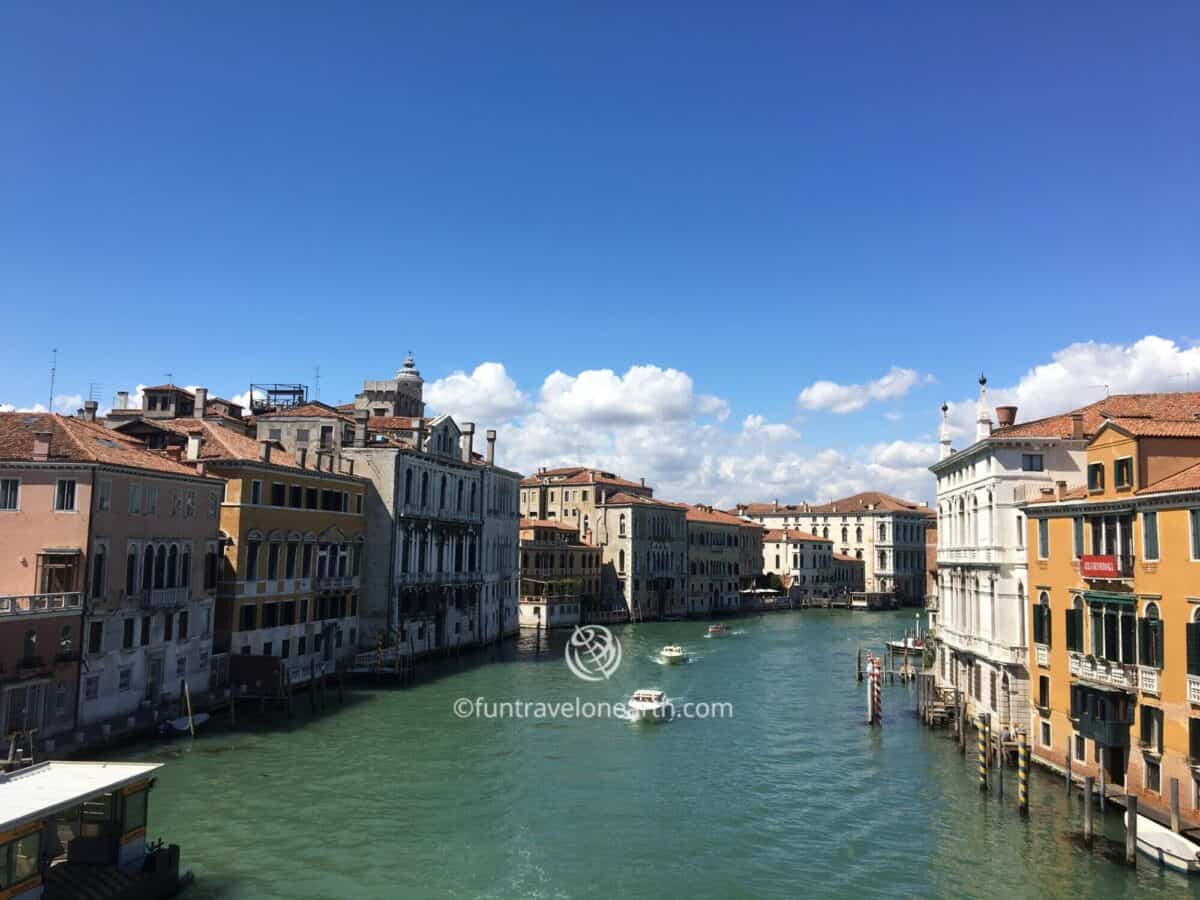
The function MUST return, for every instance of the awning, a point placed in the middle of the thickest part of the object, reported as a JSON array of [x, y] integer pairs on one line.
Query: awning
[[1110, 597]]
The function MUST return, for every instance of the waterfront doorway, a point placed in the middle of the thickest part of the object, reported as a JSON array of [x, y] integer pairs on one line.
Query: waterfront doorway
[[1114, 765]]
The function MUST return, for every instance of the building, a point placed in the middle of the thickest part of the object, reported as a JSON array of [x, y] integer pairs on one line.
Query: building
[[572, 494], [848, 577], [293, 543], [560, 575], [750, 556], [714, 561], [983, 580], [885, 532], [644, 542], [1114, 620], [168, 401], [802, 561], [931, 571], [108, 544]]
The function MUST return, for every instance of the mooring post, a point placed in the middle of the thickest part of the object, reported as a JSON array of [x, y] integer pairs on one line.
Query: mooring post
[[1100, 796], [1175, 805], [962, 724], [1022, 773], [858, 672], [999, 769], [981, 747], [1068, 768], [1088, 783], [312, 683], [1131, 829]]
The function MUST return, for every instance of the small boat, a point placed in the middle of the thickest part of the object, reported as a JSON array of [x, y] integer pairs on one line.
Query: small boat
[[1161, 843], [649, 705], [719, 630], [180, 725], [910, 646], [672, 653]]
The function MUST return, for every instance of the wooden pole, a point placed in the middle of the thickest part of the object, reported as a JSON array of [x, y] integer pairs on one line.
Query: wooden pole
[[187, 696], [1175, 805], [1131, 829], [1068, 768], [1088, 784], [1100, 798], [981, 747], [999, 769], [858, 671], [1022, 773]]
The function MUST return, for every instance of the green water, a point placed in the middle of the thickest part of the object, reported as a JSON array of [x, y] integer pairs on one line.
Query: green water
[[391, 795]]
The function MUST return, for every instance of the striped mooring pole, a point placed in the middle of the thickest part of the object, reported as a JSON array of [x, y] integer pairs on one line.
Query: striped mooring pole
[[1022, 773], [877, 689], [981, 747]]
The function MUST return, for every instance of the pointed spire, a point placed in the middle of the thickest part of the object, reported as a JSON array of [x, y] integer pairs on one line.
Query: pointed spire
[[983, 418], [945, 433]]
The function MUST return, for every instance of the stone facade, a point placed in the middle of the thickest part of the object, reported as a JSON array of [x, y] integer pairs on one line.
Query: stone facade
[[644, 542]]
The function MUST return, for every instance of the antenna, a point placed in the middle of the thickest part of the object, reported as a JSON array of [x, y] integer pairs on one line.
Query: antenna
[[53, 373], [93, 387], [1107, 394], [317, 383]]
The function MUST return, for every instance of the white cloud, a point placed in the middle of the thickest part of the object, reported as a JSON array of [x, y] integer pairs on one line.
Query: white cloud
[[1077, 375], [643, 394], [848, 398], [756, 426], [488, 394], [901, 454]]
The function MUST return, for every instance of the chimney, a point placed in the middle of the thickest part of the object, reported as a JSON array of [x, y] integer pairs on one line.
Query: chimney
[[301, 456], [775, 504], [1006, 415], [175, 453], [194, 442], [643, 482], [201, 402], [89, 410], [41, 446], [420, 426], [122, 399], [468, 441], [264, 451], [491, 451], [350, 465], [1060, 490], [201, 469], [1077, 426], [360, 427]]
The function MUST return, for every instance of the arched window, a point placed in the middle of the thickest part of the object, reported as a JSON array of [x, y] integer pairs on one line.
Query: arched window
[[408, 485], [442, 494], [131, 571], [621, 532], [858, 554], [172, 565], [845, 535], [826, 533], [621, 560], [424, 488], [1150, 638], [882, 532], [585, 524], [185, 568], [160, 567], [148, 567], [99, 572], [883, 559], [858, 534], [1041, 620]]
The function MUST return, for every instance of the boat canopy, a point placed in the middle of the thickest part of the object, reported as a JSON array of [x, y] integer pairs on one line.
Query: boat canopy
[[39, 791]]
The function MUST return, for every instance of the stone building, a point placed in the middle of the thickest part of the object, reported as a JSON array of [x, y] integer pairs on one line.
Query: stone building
[[169, 401], [848, 577], [803, 561], [571, 495], [714, 561], [644, 542], [560, 575]]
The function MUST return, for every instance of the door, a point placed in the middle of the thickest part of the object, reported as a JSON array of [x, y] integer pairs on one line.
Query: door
[[1114, 765], [154, 673]]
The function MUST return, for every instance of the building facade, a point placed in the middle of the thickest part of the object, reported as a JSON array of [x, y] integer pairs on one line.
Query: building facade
[[803, 562], [560, 575], [571, 495], [848, 577], [644, 542], [714, 561], [1114, 614]]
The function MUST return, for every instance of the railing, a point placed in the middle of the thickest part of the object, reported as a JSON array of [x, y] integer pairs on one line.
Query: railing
[[1148, 680], [1193, 688], [162, 598], [325, 582], [1043, 654], [39, 604], [1103, 671]]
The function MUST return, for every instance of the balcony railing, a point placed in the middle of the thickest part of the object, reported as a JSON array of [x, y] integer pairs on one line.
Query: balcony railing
[[1148, 680], [1103, 671], [41, 604], [1193, 688], [1043, 655], [164, 598], [326, 582]]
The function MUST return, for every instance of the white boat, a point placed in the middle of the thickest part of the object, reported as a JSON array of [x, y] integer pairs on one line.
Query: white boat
[[718, 630], [672, 653], [1161, 843], [649, 705], [910, 646], [180, 725]]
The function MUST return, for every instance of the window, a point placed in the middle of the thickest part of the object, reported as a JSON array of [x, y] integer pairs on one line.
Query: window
[[1095, 475], [95, 637], [91, 687], [1075, 627], [1153, 776], [273, 560], [358, 502], [310, 498], [1194, 517], [19, 860], [127, 635], [1031, 462], [181, 630], [180, 666], [270, 615], [252, 560], [1123, 472], [1077, 525], [1041, 620], [249, 618], [621, 527], [1151, 728], [1045, 734], [278, 494], [1043, 533], [124, 679], [1080, 748], [135, 496], [1044, 691], [267, 648], [295, 496], [1150, 536], [99, 571], [151, 504], [64, 495], [256, 492], [1150, 638]]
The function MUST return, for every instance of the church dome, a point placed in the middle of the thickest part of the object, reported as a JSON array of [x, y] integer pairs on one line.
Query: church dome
[[409, 371]]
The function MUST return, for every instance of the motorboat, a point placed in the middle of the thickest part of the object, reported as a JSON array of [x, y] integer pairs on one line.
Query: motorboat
[[649, 705], [672, 653], [910, 646], [719, 630], [1161, 843]]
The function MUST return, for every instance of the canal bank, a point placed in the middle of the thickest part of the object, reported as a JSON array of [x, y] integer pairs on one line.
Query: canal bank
[[392, 795]]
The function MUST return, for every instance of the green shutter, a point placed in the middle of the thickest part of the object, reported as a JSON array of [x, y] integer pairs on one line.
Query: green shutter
[[1072, 618], [1049, 631], [1194, 739], [1144, 722], [1156, 636], [1193, 648], [1128, 650], [1143, 642]]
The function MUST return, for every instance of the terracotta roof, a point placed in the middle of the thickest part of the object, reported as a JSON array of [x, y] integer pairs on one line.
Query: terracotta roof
[[1167, 428], [877, 499], [548, 523], [222, 443], [1178, 406], [314, 409], [395, 423], [1186, 480], [168, 387], [790, 536], [345, 407], [580, 475], [74, 440], [712, 516], [623, 499], [763, 509], [1051, 495]]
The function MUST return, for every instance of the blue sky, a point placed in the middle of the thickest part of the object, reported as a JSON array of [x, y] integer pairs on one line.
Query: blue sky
[[762, 197]]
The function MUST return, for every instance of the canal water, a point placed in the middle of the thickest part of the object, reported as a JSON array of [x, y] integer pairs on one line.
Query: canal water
[[393, 795]]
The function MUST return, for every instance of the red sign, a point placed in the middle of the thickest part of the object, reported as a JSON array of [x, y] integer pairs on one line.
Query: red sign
[[1098, 566]]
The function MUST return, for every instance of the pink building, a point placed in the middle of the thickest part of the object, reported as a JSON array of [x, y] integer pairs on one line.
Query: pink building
[[104, 547]]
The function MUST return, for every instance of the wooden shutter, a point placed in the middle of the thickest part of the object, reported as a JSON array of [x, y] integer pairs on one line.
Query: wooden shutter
[[1143, 642], [1193, 648], [1194, 739], [1128, 650], [1072, 618], [1156, 640], [1145, 723]]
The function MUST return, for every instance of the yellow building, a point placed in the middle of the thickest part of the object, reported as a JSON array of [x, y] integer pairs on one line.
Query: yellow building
[[1114, 607]]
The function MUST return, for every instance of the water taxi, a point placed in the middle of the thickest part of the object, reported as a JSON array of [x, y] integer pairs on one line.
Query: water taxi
[[649, 705], [78, 829], [910, 646], [1170, 849], [719, 630], [672, 653]]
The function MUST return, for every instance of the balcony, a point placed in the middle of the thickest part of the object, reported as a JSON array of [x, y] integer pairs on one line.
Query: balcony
[[1147, 680], [165, 598], [1043, 655], [1103, 671], [1193, 689], [41, 604]]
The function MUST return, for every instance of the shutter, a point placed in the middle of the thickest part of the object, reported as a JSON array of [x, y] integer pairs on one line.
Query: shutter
[[1193, 648], [1143, 642], [1145, 720], [1194, 739], [1048, 629], [1156, 635], [1070, 619], [1128, 651]]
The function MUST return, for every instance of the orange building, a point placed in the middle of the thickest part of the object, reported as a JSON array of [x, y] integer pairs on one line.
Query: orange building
[[1114, 572]]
